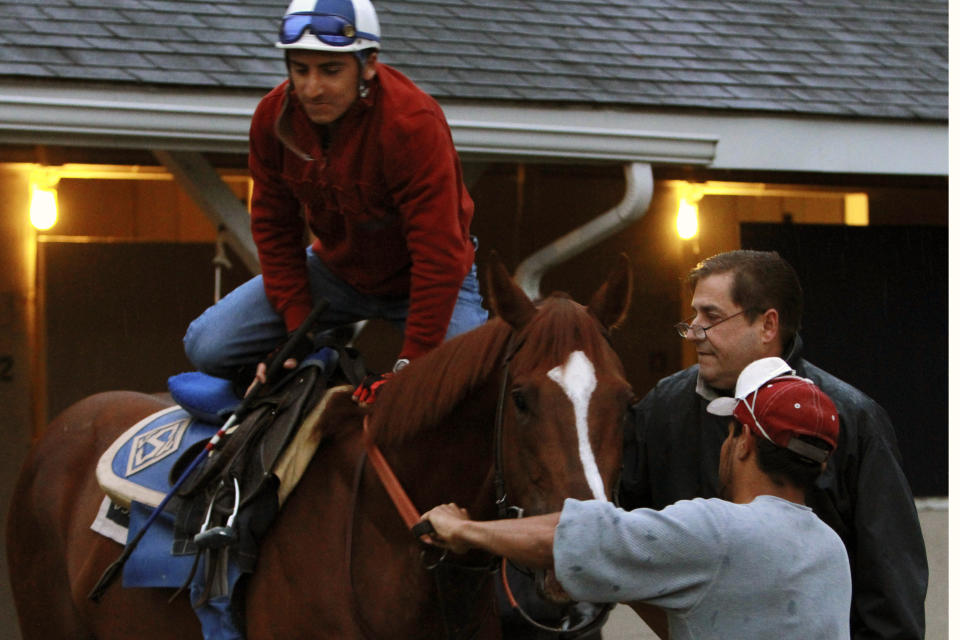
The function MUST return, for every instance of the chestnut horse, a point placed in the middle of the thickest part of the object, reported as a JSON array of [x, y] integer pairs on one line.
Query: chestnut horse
[[338, 561]]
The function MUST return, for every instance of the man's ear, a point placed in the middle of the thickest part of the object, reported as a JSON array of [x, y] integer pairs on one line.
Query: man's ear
[[370, 66], [746, 444], [770, 326]]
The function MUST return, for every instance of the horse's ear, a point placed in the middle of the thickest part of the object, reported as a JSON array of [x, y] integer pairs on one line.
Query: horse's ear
[[505, 297], [611, 302]]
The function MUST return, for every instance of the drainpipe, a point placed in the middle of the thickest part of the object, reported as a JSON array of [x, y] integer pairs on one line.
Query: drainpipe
[[636, 199]]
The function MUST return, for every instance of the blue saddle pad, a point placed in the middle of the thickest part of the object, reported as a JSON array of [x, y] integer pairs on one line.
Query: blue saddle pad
[[152, 565], [137, 466]]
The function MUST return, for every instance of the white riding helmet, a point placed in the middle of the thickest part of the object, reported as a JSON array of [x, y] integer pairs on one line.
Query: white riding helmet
[[330, 25]]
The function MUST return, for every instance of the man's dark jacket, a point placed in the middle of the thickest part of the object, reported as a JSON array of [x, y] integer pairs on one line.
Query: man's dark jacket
[[672, 453]]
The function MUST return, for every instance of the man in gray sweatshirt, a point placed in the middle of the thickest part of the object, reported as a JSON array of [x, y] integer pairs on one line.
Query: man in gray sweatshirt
[[754, 563]]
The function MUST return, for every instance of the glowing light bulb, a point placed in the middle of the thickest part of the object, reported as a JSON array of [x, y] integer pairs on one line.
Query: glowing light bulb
[[687, 219], [43, 208]]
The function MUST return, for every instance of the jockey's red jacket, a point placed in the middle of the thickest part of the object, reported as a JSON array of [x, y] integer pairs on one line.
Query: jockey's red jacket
[[385, 201]]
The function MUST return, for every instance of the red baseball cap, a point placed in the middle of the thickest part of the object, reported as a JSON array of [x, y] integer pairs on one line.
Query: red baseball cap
[[781, 407]]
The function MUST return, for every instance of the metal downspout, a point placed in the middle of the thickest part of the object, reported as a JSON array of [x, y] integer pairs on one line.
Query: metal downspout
[[636, 199]]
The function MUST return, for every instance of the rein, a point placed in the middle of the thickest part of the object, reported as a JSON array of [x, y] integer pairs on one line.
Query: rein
[[411, 517], [389, 480]]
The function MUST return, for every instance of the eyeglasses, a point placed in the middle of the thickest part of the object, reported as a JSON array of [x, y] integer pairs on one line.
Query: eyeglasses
[[700, 333], [332, 30]]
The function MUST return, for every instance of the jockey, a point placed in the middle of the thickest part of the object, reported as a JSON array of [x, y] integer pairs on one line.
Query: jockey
[[356, 150]]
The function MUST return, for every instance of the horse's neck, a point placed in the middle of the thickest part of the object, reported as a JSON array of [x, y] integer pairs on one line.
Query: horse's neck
[[454, 462]]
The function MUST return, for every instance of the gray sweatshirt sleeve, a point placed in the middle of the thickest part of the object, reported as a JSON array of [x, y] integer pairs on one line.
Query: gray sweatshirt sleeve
[[668, 558]]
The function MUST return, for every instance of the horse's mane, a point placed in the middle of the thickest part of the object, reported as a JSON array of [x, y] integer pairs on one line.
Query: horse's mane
[[430, 387]]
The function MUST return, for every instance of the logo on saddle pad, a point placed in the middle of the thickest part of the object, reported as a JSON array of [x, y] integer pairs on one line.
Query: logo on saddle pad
[[152, 446]]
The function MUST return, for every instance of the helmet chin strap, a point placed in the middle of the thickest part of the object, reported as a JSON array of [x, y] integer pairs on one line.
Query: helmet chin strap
[[362, 56]]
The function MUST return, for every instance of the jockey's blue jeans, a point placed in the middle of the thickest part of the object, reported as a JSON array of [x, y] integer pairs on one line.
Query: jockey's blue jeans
[[243, 327]]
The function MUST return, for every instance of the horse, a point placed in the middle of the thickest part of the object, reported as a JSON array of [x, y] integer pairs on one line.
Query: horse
[[525, 410]]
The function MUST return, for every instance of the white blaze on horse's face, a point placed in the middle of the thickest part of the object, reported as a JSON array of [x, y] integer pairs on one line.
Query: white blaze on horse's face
[[578, 381]]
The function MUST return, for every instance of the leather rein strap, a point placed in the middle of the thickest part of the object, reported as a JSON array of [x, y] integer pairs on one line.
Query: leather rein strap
[[408, 512], [389, 480]]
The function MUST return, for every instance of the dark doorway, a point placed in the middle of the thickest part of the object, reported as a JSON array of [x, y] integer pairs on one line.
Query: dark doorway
[[116, 313], [875, 315]]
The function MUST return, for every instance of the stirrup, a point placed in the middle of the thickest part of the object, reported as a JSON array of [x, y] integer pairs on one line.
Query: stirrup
[[218, 537]]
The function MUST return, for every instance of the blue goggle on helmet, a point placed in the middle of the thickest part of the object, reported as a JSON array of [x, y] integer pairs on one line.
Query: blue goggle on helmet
[[330, 25]]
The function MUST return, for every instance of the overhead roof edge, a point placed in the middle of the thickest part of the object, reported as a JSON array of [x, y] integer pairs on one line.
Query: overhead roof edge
[[739, 140], [218, 121], [116, 116], [566, 142]]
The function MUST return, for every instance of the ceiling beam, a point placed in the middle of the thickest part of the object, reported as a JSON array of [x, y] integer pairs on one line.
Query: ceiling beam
[[203, 184]]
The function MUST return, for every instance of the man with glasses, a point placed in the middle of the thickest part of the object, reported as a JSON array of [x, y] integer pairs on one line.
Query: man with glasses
[[747, 305], [354, 149]]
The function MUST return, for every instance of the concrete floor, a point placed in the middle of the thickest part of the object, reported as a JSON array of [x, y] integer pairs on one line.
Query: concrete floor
[[624, 623]]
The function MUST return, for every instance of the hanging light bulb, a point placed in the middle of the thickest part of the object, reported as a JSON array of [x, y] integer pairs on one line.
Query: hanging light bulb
[[688, 209], [687, 218], [43, 200]]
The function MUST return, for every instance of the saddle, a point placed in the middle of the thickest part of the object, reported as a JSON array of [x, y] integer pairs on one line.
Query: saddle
[[222, 510], [239, 479]]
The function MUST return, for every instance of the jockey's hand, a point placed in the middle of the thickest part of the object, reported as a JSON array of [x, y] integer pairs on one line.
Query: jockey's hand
[[261, 375], [366, 391], [303, 348]]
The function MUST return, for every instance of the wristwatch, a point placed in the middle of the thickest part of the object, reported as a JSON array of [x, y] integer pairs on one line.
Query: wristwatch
[[400, 364]]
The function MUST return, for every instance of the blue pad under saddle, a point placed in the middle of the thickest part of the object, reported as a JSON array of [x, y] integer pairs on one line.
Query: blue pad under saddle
[[212, 399], [137, 465], [152, 565]]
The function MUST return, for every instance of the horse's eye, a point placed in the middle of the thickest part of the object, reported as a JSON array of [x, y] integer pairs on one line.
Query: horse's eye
[[519, 401]]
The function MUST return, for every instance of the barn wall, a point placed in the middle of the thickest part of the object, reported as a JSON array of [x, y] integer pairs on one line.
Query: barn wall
[[16, 348]]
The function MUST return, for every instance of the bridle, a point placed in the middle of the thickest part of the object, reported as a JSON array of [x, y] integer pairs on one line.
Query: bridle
[[499, 482], [588, 623], [420, 529]]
